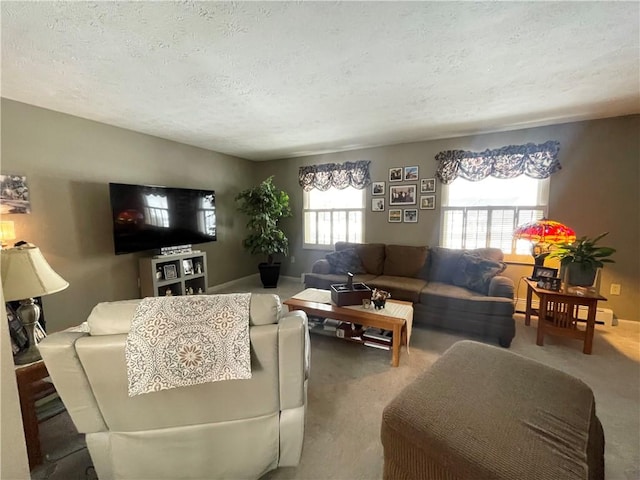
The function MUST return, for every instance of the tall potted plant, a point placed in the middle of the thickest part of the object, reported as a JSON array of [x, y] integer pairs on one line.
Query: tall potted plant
[[265, 205], [582, 258]]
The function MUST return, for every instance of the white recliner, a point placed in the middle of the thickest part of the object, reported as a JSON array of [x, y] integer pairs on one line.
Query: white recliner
[[223, 430]]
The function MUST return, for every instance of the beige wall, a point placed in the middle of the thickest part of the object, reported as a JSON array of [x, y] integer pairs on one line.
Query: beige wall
[[13, 455], [69, 162], [596, 191]]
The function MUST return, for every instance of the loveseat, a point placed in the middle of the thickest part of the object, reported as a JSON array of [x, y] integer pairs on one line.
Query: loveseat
[[460, 290], [224, 429]]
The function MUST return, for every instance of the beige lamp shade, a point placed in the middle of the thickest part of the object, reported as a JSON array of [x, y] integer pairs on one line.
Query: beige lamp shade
[[26, 274]]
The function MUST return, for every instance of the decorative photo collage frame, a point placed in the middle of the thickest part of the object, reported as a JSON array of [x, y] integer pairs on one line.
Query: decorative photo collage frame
[[401, 194]]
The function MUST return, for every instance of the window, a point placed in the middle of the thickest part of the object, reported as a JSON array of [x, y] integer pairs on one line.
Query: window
[[485, 213], [333, 216]]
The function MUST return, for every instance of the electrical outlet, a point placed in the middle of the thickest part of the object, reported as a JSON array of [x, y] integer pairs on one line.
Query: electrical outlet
[[615, 289], [293, 259]]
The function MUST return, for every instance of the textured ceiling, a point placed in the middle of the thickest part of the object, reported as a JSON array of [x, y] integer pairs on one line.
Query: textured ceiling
[[265, 80]]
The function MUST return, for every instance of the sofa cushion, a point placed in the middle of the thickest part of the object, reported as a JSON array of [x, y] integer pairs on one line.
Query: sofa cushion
[[443, 262], [494, 254], [343, 261], [401, 288], [371, 255], [475, 273], [450, 298], [404, 261]]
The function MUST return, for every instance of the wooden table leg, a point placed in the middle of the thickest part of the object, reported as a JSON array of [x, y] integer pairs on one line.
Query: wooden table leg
[[542, 315], [25, 380], [527, 308], [397, 340], [591, 324]]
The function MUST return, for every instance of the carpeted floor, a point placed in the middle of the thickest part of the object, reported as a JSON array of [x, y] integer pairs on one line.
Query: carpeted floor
[[350, 384]]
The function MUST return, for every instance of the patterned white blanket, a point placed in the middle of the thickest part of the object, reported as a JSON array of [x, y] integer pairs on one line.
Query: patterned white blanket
[[188, 340]]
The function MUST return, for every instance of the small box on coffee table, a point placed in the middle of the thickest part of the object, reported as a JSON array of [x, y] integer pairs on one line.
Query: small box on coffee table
[[343, 294]]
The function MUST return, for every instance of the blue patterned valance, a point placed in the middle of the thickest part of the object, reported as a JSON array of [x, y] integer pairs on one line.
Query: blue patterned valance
[[335, 175], [536, 161]]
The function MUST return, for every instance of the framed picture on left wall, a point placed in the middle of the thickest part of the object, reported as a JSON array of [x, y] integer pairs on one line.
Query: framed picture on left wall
[[14, 194]]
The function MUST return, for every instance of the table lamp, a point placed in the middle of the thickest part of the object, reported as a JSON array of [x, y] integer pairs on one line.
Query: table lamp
[[7, 232], [543, 234], [26, 274]]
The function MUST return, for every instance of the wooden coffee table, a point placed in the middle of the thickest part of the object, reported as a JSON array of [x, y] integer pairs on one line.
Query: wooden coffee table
[[397, 316]]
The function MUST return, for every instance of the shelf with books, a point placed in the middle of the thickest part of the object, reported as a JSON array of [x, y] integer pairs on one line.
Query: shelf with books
[[373, 337]]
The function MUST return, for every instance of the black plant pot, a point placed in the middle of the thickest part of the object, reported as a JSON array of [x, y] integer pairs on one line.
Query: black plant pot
[[580, 276], [269, 274]]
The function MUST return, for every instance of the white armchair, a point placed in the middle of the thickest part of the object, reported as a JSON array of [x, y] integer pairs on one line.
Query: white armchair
[[228, 429]]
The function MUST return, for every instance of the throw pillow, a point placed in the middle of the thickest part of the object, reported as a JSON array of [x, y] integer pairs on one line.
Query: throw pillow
[[344, 261], [475, 273]]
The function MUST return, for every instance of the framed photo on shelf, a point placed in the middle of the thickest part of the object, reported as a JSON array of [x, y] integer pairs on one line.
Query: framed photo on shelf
[[377, 188], [377, 204], [428, 202], [187, 265], [170, 272], [395, 215], [410, 173], [411, 215], [428, 185], [402, 194], [395, 174]]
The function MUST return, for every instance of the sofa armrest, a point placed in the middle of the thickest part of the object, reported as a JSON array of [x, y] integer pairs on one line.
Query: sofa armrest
[[501, 287], [59, 353], [293, 353], [321, 266]]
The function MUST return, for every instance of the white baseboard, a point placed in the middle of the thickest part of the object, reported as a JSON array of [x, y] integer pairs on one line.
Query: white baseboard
[[604, 315], [222, 286]]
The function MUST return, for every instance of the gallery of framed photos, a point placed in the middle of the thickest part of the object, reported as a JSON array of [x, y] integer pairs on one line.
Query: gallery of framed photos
[[411, 197]]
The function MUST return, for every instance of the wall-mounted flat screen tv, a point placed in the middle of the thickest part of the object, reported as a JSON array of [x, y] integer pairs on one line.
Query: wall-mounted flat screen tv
[[148, 217]]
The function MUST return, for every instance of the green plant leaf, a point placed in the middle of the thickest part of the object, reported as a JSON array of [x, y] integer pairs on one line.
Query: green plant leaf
[[265, 205]]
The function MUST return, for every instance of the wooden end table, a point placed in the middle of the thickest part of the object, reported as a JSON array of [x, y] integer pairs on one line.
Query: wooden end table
[[558, 314], [32, 386], [354, 314]]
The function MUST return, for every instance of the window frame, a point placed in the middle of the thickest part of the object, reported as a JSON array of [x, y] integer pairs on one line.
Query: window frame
[[306, 209], [511, 256]]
